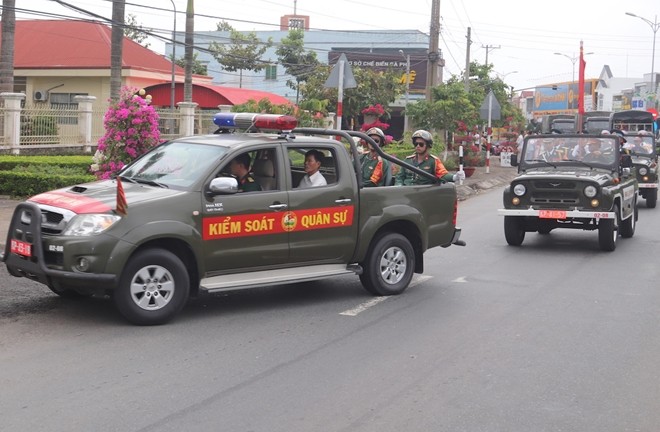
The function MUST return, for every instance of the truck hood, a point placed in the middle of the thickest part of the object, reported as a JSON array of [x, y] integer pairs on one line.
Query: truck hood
[[100, 196]]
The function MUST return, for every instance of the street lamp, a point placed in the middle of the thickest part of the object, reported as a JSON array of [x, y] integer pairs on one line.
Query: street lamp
[[655, 25], [573, 60], [405, 117], [173, 85]]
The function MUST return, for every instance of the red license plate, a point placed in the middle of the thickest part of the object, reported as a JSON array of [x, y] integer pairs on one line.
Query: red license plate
[[552, 214], [20, 248]]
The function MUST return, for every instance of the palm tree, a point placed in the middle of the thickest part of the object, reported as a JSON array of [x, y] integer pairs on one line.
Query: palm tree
[[117, 40], [188, 54], [7, 47]]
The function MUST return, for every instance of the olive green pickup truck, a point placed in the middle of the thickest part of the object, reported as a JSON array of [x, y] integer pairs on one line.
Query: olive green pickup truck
[[176, 223]]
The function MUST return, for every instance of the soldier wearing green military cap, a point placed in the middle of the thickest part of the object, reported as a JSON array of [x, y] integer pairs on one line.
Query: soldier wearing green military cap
[[240, 167]]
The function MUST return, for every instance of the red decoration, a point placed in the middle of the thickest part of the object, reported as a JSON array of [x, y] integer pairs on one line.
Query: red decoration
[[122, 205]]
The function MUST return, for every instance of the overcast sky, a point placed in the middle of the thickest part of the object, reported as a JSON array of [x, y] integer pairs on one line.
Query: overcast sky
[[523, 35]]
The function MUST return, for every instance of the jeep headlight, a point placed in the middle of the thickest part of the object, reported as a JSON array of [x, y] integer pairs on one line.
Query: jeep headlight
[[643, 171], [590, 191], [89, 224], [519, 189]]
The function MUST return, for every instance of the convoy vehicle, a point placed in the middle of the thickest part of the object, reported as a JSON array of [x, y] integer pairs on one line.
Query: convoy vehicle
[[632, 121], [181, 227], [641, 147], [562, 123], [571, 181], [594, 122]]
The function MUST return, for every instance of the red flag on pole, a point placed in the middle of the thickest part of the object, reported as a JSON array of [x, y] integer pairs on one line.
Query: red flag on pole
[[122, 205], [583, 66]]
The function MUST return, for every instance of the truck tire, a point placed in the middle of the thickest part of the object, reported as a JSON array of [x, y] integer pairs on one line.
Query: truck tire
[[153, 287], [389, 265], [651, 198], [513, 230], [628, 225], [608, 231]]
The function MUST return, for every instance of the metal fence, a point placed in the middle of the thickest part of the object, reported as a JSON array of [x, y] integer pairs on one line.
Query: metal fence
[[48, 126]]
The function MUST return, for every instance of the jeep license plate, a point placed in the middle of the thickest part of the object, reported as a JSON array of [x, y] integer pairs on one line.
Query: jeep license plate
[[21, 248], [552, 214]]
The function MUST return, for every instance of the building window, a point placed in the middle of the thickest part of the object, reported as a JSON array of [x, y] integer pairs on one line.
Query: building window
[[271, 72], [65, 102], [296, 24]]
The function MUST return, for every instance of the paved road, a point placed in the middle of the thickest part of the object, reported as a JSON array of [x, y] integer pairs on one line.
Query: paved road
[[552, 336]]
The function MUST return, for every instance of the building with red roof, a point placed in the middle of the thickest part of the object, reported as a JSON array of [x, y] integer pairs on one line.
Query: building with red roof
[[55, 60]]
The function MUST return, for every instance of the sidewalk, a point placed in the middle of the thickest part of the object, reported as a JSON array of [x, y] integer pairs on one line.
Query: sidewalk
[[479, 181], [497, 176]]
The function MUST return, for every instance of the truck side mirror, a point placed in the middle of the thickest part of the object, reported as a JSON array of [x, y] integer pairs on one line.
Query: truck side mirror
[[514, 160]]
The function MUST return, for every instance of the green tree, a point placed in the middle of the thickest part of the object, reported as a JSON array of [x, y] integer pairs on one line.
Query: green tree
[[198, 67], [297, 62], [135, 31], [244, 52], [452, 103], [373, 87]]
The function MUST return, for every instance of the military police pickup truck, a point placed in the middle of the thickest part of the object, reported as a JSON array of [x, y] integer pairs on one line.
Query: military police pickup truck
[[571, 181], [182, 221]]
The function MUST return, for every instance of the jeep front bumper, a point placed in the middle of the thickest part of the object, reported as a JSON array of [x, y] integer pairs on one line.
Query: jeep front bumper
[[557, 214]]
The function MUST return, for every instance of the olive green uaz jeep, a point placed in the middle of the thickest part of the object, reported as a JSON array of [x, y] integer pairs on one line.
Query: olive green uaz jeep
[[571, 181]]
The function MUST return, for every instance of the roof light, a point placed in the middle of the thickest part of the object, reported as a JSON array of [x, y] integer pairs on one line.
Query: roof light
[[260, 121]]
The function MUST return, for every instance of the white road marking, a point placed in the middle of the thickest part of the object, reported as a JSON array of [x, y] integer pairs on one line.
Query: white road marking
[[374, 301], [460, 280]]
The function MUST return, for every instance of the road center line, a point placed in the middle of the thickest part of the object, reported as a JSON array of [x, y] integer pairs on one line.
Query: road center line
[[374, 301]]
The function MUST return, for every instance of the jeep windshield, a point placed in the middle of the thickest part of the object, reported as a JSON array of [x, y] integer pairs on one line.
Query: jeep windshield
[[640, 145], [561, 150], [173, 164]]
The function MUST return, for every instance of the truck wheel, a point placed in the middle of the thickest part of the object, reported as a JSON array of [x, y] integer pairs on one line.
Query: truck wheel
[[608, 231], [389, 265], [513, 230], [628, 225], [651, 198], [153, 287]]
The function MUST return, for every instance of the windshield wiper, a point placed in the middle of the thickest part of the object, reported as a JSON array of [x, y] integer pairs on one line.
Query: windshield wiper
[[541, 160], [129, 179], [151, 183], [579, 161]]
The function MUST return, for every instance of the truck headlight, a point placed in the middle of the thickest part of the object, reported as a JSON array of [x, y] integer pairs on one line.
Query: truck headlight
[[90, 224], [519, 189], [643, 171], [590, 191]]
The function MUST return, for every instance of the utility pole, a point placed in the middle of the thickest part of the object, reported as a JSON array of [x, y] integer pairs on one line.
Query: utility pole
[[488, 48], [434, 55], [467, 60]]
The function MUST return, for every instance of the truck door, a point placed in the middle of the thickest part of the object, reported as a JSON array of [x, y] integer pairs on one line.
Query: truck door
[[323, 218], [245, 229]]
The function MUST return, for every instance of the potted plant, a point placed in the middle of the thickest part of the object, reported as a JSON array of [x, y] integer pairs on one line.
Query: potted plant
[[372, 113]]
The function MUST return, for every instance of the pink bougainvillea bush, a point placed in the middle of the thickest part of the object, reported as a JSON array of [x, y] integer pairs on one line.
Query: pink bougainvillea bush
[[131, 128]]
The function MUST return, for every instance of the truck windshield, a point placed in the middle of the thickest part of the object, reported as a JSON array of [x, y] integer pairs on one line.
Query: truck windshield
[[174, 164]]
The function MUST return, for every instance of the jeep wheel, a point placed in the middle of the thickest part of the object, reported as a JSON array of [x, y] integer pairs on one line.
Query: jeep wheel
[[389, 265], [608, 231], [651, 198], [153, 287], [628, 225], [513, 230]]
